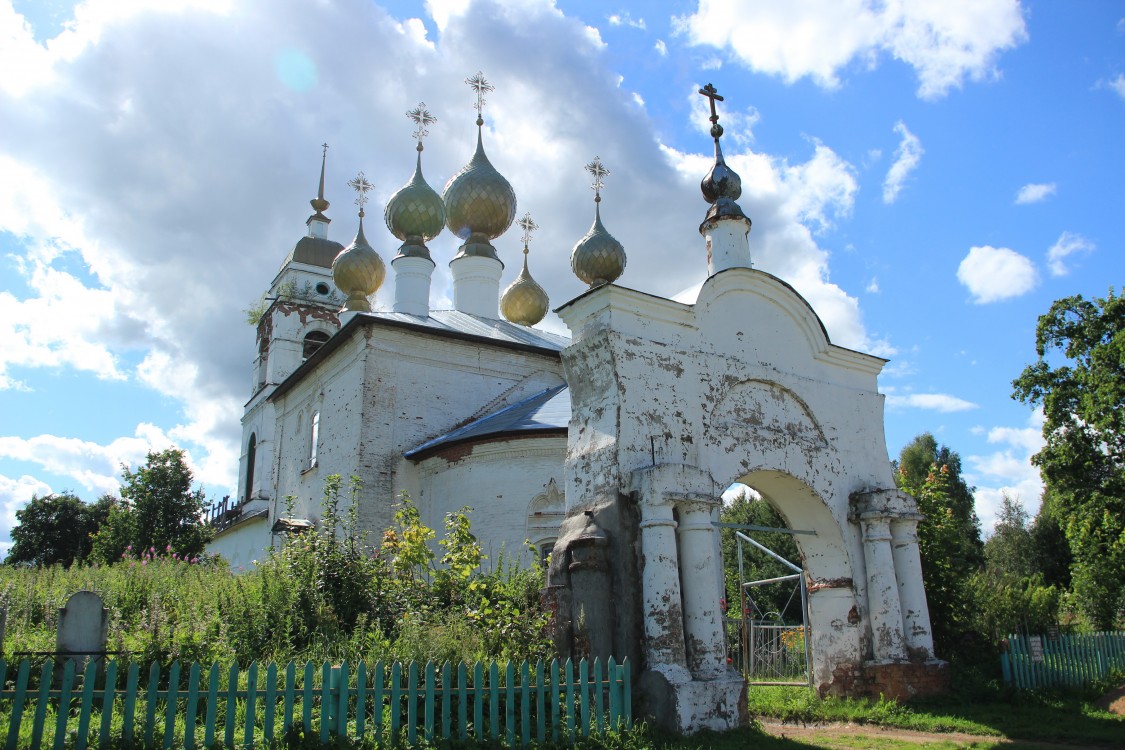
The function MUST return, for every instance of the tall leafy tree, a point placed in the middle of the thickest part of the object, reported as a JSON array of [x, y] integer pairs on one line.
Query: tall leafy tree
[[159, 510], [1079, 382], [57, 529], [948, 536]]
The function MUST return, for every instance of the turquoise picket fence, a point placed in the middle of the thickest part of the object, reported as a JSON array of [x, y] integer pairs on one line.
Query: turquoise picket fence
[[1035, 661], [195, 707]]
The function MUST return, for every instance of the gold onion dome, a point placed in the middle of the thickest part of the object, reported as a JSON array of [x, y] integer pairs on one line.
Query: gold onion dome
[[598, 258], [415, 214], [525, 302], [479, 203], [358, 270]]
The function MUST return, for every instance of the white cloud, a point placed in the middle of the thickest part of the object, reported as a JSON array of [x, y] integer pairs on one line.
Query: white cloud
[[872, 286], [907, 156], [939, 402], [945, 42], [95, 467], [1117, 84], [14, 494], [625, 19], [661, 48], [992, 274], [1034, 192], [1008, 470], [1069, 243]]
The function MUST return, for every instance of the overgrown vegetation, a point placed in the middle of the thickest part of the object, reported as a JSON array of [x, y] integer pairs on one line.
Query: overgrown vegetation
[[323, 594]]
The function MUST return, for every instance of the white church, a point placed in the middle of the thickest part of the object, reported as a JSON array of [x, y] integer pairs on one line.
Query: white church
[[552, 440]]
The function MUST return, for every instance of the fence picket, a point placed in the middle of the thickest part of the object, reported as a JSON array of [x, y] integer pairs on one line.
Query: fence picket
[[64, 704], [231, 705], [509, 704], [396, 700], [554, 696], [325, 701], [1068, 660], [342, 684], [18, 701], [307, 697], [251, 699], [361, 700], [270, 707], [478, 701], [192, 707], [41, 705], [212, 706], [429, 721], [446, 700], [525, 708], [462, 702], [377, 700], [86, 707], [109, 686], [412, 703], [150, 702], [569, 699], [540, 692], [290, 689], [172, 705]]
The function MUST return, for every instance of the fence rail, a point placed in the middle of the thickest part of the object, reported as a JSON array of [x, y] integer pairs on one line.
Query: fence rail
[[194, 707], [1034, 661]]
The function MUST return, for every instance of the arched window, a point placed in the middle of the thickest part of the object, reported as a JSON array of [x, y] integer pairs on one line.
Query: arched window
[[251, 454], [313, 341], [315, 422], [263, 359]]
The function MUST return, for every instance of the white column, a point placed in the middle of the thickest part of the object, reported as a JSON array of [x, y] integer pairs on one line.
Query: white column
[[476, 285], [412, 285], [911, 592], [883, 605], [727, 243], [703, 619], [660, 586]]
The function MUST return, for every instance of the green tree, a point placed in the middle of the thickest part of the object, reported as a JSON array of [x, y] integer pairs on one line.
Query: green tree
[[751, 510], [1050, 551], [1010, 548], [948, 536], [159, 511], [1079, 382], [57, 529]]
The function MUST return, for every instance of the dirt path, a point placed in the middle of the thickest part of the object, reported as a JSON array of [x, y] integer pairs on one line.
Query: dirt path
[[837, 732]]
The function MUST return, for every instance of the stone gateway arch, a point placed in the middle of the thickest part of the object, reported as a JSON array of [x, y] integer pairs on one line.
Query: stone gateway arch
[[671, 403]]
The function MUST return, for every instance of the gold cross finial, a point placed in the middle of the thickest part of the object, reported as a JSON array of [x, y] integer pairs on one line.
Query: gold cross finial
[[599, 171], [712, 94], [481, 86], [360, 184], [528, 226], [423, 119]]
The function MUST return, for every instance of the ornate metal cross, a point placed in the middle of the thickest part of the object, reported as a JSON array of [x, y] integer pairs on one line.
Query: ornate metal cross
[[599, 171], [528, 227], [360, 184], [481, 86], [423, 119]]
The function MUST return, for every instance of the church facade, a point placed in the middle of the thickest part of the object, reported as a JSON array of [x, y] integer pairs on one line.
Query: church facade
[[610, 448]]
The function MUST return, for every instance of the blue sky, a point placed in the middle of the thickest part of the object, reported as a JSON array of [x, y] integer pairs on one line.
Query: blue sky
[[930, 176]]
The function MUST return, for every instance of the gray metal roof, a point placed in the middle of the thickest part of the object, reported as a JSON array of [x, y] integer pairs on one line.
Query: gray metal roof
[[547, 411], [475, 325], [314, 251]]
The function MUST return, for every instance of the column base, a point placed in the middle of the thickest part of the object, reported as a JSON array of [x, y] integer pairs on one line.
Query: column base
[[903, 680], [668, 697]]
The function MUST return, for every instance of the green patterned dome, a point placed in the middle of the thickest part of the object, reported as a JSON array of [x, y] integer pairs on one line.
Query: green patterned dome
[[479, 205], [524, 302], [598, 258], [415, 214], [358, 272]]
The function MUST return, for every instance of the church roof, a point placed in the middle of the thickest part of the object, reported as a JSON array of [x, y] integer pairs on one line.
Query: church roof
[[455, 321], [314, 251], [547, 411]]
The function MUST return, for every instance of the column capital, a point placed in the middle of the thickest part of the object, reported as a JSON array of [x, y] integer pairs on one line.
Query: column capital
[[665, 484], [892, 502]]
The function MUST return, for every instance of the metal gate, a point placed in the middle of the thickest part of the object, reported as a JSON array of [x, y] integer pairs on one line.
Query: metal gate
[[767, 650]]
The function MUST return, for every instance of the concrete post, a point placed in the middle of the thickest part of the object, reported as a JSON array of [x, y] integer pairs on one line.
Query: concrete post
[[661, 598], [883, 604], [912, 594], [703, 624]]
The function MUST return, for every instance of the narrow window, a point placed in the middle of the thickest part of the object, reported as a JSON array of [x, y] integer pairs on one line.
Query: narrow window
[[315, 437], [251, 454], [313, 341]]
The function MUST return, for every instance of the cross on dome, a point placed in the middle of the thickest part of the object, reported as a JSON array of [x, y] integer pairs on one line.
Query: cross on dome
[[422, 118], [481, 86], [713, 96], [528, 226], [598, 170], [362, 186]]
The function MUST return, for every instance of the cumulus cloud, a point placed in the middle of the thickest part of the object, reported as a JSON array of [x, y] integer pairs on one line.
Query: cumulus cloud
[[1007, 470], [907, 156], [661, 48], [1034, 192], [14, 494], [992, 274], [945, 43], [939, 402], [150, 216], [1117, 85], [625, 19], [1068, 244]]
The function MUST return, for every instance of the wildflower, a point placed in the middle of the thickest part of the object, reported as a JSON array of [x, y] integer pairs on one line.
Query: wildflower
[[168, 548], [129, 547], [194, 560]]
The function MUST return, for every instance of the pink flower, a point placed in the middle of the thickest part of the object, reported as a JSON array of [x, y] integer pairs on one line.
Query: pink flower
[[168, 548], [195, 559]]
